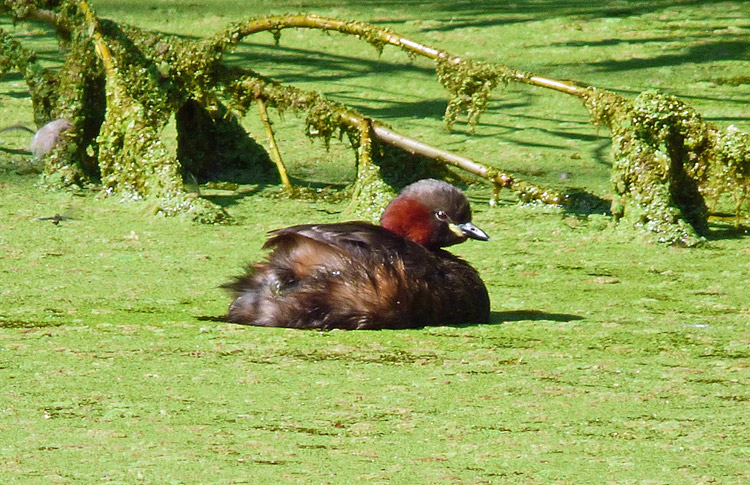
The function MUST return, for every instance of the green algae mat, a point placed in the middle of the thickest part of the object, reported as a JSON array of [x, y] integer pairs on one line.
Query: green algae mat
[[608, 359]]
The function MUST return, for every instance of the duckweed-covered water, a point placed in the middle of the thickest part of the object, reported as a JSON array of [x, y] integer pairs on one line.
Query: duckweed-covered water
[[607, 359]]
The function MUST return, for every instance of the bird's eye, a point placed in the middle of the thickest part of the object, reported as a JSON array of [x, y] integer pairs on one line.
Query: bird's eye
[[442, 216]]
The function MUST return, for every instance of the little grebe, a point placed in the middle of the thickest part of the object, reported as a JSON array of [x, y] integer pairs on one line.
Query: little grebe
[[356, 275]]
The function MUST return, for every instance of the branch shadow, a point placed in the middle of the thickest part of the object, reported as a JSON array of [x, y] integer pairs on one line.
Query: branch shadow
[[228, 198], [318, 63]]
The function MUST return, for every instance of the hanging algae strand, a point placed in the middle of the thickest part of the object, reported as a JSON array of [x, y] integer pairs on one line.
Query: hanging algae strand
[[470, 84], [730, 168], [132, 158]]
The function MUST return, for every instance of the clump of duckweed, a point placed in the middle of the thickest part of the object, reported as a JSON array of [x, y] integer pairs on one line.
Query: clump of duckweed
[[179, 203], [730, 168], [371, 193], [667, 159], [530, 193]]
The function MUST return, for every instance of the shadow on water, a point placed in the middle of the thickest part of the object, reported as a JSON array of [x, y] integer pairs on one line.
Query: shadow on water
[[724, 226], [212, 318], [304, 190], [581, 203], [228, 198], [14, 151], [497, 318]]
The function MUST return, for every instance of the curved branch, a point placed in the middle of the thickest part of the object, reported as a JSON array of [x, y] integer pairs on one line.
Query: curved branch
[[378, 37], [499, 179], [415, 147]]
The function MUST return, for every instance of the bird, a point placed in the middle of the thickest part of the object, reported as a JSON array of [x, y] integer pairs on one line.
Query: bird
[[46, 138], [358, 275], [56, 219]]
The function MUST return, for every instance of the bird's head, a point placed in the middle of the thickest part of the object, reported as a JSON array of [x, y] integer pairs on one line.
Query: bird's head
[[432, 213]]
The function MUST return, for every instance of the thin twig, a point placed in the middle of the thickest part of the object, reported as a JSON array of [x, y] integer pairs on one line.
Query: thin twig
[[272, 143]]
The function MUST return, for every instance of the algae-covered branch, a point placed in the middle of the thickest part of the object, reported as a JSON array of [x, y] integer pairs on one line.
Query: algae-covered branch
[[118, 86], [126, 83]]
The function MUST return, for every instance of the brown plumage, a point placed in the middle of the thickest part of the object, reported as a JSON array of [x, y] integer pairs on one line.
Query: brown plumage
[[357, 275]]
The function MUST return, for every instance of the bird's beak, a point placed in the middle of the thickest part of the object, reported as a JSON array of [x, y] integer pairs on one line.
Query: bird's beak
[[467, 229]]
